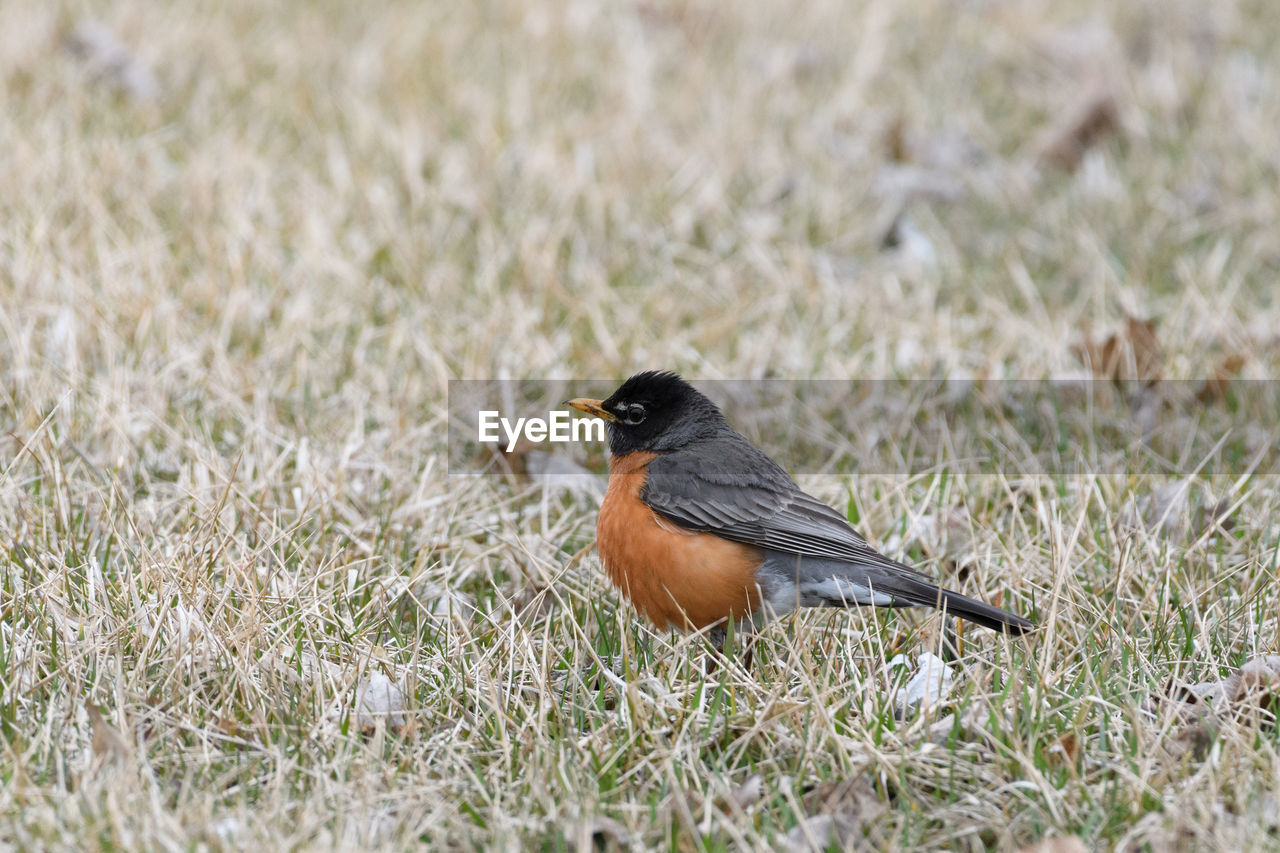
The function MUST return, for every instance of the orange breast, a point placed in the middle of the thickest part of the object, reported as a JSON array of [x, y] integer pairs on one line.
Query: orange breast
[[672, 576]]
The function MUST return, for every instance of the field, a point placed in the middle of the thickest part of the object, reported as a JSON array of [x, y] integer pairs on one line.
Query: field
[[245, 246]]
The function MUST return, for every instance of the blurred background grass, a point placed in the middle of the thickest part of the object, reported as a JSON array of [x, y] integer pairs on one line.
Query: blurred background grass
[[244, 246]]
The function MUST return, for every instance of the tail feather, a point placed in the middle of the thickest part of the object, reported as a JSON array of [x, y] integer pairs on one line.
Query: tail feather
[[923, 593], [985, 614]]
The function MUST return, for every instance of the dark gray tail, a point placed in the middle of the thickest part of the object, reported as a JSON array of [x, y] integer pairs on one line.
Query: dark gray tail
[[984, 614], [914, 590], [927, 595]]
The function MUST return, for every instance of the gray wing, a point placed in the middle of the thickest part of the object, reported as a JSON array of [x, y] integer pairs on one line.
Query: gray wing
[[730, 488]]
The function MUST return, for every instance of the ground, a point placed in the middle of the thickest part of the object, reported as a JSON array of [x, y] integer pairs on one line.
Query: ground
[[245, 246]]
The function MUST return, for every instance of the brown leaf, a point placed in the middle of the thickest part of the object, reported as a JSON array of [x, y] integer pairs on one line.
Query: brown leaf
[[1256, 684], [108, 742], [838, 814], [1191, 709], [1186, 703], [1201, 708], [1095, 115], [1192, 739], [1065, 750], [229, 726], [1215, 387], [1126, 355], [853, 801]]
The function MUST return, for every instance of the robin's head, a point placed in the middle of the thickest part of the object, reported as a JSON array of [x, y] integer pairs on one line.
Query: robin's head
[[655, 411]]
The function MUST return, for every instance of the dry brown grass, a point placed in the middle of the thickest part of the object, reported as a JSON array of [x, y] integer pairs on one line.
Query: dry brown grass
[[228, 313]]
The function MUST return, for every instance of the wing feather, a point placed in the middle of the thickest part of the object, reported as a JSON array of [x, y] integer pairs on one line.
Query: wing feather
[[733, 490]]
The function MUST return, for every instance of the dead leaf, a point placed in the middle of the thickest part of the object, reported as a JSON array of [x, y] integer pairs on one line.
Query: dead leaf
[[928, 685], [108, 742], [1192, 739], [1095, 115], [1256, 684], [1191, 707], [1130, 354], [1186, 702], [818, 833], [379, 700], [230, 727], [857, 795], [1065, 750], [740, 797], [1251, 691], [839, 812], [1215, 387]]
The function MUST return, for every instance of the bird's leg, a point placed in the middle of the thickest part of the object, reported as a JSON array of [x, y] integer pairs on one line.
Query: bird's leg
[[716, 638], [732, 639], [751, 630]]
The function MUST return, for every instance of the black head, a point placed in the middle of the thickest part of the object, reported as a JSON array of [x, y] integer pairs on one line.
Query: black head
[[655, 411]]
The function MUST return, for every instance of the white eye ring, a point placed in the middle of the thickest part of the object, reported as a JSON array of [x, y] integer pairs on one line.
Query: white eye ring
[[635, 414]]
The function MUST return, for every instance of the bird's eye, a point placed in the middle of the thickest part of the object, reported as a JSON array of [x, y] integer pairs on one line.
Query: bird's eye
[[633, 414]]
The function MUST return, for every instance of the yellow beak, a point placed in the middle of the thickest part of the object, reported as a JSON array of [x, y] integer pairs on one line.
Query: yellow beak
[[591, 407]]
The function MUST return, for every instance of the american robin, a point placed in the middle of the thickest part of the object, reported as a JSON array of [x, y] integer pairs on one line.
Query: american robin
[[698, 525]]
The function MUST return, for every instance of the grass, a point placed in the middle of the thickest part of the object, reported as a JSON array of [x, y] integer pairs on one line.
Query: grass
[[229, 313]]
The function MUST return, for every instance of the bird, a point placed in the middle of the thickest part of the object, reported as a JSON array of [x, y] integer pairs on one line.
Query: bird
[[698, 526]]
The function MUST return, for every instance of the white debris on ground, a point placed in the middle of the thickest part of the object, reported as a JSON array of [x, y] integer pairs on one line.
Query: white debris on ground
[[378, 699], [929, 683]]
